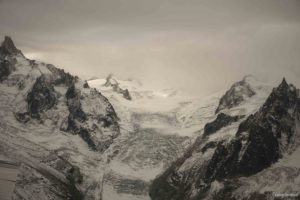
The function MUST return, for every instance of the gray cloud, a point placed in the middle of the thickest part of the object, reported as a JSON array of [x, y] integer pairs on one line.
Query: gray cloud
[[194, 45]]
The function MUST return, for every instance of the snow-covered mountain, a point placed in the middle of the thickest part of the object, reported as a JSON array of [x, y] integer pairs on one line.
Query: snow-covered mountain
[[55, 126], [65, 134], [112, 139], [157, 127], [241, 157]]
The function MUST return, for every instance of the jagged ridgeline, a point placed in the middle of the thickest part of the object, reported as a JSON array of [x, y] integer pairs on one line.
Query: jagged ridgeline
[[216, 169], [238, 92], [114, 84], [49, 93], [39, 98]]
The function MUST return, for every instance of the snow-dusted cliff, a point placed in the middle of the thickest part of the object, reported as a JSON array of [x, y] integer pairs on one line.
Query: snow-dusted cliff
[[54, 126], [241, 157], [111, 139]]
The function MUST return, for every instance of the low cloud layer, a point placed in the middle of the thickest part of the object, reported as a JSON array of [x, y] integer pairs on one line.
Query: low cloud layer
[[196, 45]]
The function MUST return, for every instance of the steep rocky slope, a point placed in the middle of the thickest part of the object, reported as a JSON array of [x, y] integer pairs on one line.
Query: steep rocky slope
[[157, 127], [76, 142], [115, 85], [54, 126], [215, 167], [148, 142], [238, 92], [42, 88]]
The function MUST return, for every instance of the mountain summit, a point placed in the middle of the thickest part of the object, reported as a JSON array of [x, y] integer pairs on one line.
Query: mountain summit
[[216, 165], [112, 82], [8, 47], [107, 138], [50, 120], [238, 92]]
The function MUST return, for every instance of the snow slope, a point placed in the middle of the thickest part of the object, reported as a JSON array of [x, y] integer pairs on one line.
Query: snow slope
[[41, 129], [253, 157], [76, 142], [156, 129]]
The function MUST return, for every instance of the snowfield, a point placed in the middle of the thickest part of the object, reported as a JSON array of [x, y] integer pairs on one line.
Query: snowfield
[[110, 139], [158, 126]]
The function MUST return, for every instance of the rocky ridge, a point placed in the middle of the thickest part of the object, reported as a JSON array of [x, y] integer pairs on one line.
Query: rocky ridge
[[40, 90], [238, 92], [211, 169], [221, 121], [66, 135], [112, 82], [40, 102]]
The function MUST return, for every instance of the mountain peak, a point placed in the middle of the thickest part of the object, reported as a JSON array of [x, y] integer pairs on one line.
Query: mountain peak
[[283, 84], [8, 47], [249, 77], [237, 93], [111, 81]]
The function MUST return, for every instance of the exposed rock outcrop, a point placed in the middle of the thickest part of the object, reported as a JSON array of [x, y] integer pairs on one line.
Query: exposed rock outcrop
[[44, 89], [54, 104], [87, 126], [8, 47], [236, 95], [86, 85], [259, 142], [221, 121], [77, 116], [41, 97], [112, 82], [263, 137], [5, 69]]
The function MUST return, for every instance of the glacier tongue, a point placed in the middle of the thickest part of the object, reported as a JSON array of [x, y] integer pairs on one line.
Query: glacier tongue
[[121, 154], [157, 127]]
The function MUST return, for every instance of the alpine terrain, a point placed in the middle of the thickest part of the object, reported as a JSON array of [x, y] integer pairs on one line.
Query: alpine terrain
[[113, 139]]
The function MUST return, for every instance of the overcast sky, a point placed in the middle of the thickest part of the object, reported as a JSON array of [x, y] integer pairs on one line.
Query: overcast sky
[[196, 45]]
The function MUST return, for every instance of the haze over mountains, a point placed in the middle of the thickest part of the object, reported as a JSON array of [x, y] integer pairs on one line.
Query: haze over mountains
[[111, 139], [166, 43]]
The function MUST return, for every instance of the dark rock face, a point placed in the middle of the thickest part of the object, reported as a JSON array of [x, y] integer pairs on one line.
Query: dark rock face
[[171, 184], [77, 115], [235, 95], [5, 69], [86, 85], [6, 62], [39, 91], [110, 119], [74, 105], [8, 47], [111, 82], [89, 126], [260, 141], [261, 136], [77, 118], [221, 121], [209, 145], [268, 131], [41, 97], [126, 94]]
